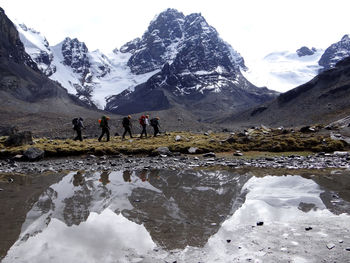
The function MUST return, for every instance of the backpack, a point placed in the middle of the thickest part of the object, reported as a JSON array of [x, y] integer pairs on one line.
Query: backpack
[[102, 122], [75, 121], [126, 121], [142, 120], [154, 122]]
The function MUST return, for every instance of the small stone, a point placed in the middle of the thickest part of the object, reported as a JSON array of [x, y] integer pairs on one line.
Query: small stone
[[228, 240], [340, 241], [10, 180], [260, 223], [308, 228], [137, 201], [347, 249], [330, 246], [210, 154]]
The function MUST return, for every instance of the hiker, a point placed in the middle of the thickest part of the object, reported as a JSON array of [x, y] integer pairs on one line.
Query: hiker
[[78, 179], [104, 126], [127, 126], [155, 124], [104, 178], [78, 126], [127, 176], [144, 122]]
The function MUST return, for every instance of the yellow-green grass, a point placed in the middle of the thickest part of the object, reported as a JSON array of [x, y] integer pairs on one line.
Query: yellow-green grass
[[258, 141]]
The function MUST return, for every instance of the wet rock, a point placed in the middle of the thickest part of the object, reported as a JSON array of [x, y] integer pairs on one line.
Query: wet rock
[[339, 153], [33, 154], [18, 157], [209, 155], [19, 139], [306, 129], [162, 151], [192, 150], [238, 153], [330, 246]]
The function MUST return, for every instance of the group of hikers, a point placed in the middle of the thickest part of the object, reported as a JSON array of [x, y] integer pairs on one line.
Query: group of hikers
[[144, 121]]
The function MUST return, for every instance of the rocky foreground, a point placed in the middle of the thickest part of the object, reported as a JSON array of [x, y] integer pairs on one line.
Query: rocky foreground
[[338, 159]]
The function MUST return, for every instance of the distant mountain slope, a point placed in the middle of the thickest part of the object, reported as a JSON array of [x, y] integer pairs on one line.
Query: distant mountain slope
[[199, 71], [321, 100]]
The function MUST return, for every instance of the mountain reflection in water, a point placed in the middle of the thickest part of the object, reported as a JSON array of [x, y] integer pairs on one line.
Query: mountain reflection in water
[[131, 216]]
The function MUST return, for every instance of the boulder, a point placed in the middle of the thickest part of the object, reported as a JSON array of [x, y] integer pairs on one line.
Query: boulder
[[7, 131], [33, 154], [209, 155], [192, 150], [19, 139], [162, 151]]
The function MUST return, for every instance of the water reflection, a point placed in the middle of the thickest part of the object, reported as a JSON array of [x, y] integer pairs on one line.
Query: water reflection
[[121, 216]]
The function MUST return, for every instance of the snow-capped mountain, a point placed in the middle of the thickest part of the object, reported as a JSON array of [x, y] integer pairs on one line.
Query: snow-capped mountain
[[198, 69], [181, 55], [91, 76], [335, 53], [284, 70]]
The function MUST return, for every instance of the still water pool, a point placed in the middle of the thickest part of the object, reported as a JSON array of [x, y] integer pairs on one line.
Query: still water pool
[[189, 216]]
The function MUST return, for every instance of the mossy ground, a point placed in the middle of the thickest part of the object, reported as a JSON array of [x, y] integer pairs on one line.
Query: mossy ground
[[256, 142]]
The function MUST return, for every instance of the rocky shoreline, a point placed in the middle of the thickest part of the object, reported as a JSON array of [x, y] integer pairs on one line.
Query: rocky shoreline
[[163, 161]]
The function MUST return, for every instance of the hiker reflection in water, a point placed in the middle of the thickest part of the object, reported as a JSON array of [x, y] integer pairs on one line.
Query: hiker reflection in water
[[127, 176], [143, 175], [78, 178], [104, 178]]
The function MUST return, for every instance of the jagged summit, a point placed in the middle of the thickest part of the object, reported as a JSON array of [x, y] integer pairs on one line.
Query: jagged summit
[[172, 36], [196, 69]]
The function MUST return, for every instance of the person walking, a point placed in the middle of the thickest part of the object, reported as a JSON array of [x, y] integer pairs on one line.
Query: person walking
[[155, 124], [78, 126], [127, 126], [144, 122], [104, 126]]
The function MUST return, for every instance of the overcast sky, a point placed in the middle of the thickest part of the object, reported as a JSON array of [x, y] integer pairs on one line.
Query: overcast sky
[[253, 27]]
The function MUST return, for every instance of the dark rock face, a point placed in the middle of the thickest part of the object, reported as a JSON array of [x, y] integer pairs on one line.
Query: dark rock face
[[75, 55], [19, 139], [11, 47], [335, 53], [184, 40], [198, 70], [305, 51], [33, 154]]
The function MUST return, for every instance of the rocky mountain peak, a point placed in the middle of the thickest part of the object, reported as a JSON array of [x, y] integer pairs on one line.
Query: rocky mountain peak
[[305, 51], [345, 38], [335, 53], [187, 41], [75, 55]]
